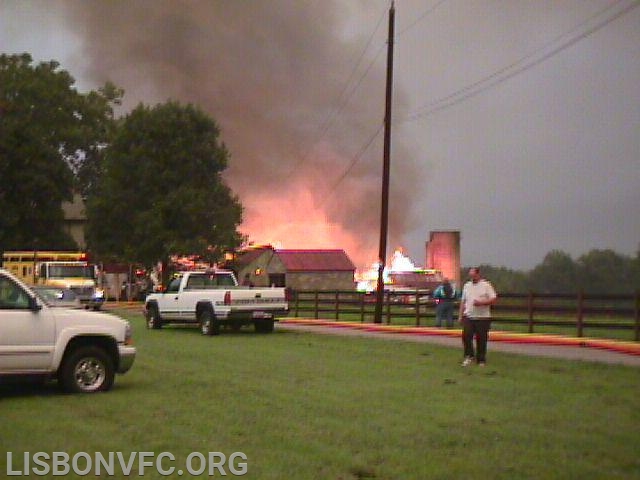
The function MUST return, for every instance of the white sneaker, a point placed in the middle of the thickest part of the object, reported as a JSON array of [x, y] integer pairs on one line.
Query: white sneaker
[[467, 361]]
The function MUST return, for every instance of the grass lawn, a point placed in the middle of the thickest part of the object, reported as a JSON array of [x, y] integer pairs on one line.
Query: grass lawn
[[305, 406]]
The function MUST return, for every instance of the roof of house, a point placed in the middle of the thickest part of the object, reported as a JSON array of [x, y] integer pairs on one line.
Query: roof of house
[[247, 256], [315, 260]]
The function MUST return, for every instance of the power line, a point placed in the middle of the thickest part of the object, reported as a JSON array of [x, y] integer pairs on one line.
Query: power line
[[422, 16], [526, 62], [356, 158], [331, 115], [523, 64], [326, 124]]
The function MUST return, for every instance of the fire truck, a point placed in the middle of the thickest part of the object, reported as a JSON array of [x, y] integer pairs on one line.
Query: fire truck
[[64, 270]]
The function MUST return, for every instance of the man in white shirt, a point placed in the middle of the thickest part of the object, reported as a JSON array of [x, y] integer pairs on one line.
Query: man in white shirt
[[475, 314]]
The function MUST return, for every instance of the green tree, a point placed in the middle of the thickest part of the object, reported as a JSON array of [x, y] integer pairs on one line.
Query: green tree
[[49, 133], [636, 272], [605, 271], [556, 274], [161, 191], [504, 280]]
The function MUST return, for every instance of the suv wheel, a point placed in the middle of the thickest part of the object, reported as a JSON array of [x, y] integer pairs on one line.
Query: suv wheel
[[86, 370]]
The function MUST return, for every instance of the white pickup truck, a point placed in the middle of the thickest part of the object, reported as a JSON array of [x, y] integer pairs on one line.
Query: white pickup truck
[[82, 349], [213, 298]]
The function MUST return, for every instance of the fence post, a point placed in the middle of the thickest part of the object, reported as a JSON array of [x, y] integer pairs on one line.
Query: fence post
[[316, 303], [362, 297], [388, 298], [530, 311], [297, 303], [417, 308], [580, 312], [337, 304], [637, 319]]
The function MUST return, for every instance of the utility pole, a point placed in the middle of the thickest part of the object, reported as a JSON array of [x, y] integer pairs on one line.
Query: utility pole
[[384, 211]]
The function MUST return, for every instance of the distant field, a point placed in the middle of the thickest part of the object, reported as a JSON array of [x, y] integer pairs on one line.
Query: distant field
[[305, 406]]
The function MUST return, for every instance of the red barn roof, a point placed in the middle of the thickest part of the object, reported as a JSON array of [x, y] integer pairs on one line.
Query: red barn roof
[[315, 260], [247, 256]]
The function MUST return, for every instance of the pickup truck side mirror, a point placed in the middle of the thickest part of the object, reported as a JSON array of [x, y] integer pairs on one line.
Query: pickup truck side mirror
[[34, 305]]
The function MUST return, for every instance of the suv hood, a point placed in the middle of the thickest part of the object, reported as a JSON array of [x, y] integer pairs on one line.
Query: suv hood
[[89, 321]]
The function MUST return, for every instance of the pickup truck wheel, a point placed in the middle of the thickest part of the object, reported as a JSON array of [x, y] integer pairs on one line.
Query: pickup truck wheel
[[264, 326], [153, 318], [86, 370], [209, 324]]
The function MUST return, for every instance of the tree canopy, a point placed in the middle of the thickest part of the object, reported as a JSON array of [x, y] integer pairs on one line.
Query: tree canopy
[[598, 272], [160, 190], [607, 271], [50, 138], [558, 272]]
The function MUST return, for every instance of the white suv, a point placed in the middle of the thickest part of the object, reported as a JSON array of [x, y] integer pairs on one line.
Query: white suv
[[82, 349]]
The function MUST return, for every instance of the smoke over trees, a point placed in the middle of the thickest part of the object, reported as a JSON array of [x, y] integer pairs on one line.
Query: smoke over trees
[[273, 76]]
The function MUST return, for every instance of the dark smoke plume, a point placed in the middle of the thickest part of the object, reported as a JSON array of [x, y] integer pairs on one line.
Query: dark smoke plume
[[271, 73]]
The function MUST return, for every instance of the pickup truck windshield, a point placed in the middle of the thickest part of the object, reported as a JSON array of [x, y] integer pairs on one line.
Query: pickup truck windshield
[[209, 281]]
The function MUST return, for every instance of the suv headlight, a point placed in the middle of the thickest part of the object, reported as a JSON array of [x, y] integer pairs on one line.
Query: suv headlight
[[128, 333]]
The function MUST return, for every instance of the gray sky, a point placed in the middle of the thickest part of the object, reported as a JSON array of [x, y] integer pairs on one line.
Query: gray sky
[[516, 122]]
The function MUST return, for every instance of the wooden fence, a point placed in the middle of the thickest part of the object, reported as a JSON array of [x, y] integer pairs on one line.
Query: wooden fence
[[529, 310]]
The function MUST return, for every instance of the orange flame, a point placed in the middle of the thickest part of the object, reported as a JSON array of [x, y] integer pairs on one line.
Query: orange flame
[[295, 221]]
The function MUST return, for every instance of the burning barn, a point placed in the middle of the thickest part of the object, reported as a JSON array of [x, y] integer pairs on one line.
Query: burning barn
[[402, 274], [422, 279], [319, 269]]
